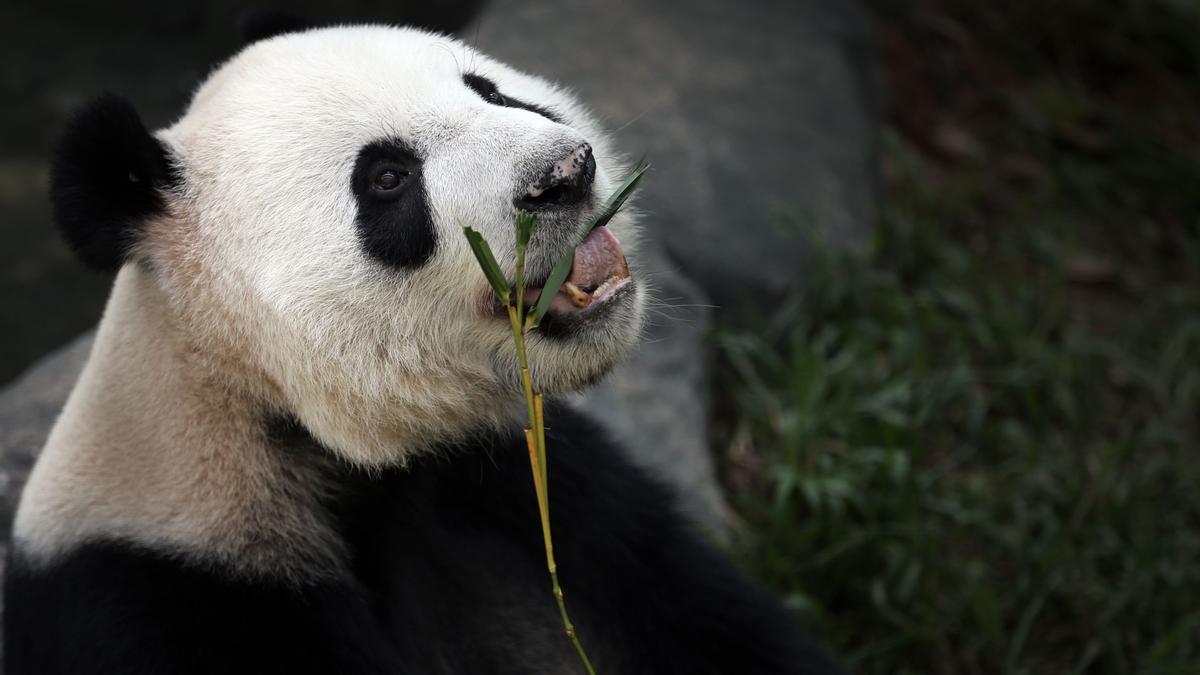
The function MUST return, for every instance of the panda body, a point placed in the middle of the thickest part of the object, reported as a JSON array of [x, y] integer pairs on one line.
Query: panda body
[[448, 578], [296, 446]]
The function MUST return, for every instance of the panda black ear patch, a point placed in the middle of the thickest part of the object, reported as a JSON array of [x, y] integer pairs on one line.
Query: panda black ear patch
[[263, 24], [108, 177]]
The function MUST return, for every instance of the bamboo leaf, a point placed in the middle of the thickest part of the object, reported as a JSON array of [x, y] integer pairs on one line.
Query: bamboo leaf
[[491, 269], [618, 198], [558, 275]]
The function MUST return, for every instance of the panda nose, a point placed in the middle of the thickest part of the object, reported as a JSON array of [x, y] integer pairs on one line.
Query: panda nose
[[566, 183]]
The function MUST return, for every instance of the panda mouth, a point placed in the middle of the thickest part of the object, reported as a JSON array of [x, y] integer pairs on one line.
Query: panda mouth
[[599, 273]]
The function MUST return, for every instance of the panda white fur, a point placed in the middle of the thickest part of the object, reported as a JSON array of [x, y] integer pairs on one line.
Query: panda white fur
[[296, 445]]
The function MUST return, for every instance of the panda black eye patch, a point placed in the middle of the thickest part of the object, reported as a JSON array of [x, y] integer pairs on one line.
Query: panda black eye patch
[[488, 91], [394, 223]]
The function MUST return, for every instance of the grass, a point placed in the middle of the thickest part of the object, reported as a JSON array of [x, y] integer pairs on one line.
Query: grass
[[973, 447]]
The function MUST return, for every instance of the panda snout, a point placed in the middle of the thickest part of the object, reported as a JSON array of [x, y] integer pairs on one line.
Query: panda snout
[[564, 184]]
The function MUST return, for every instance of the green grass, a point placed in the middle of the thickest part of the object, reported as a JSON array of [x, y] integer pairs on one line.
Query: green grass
[[974, 447], [950, 466]]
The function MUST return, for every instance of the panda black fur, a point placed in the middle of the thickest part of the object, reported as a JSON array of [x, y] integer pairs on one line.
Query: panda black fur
[[296, 445]]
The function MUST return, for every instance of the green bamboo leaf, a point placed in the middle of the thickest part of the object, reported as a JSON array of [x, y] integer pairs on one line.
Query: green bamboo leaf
[[617, 200], [491, 270], [558, 275]]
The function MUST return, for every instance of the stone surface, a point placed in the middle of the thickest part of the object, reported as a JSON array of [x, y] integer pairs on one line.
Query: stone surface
[[756, 116]]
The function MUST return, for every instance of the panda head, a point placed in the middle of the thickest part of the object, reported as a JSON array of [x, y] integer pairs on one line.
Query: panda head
[[303, 223]]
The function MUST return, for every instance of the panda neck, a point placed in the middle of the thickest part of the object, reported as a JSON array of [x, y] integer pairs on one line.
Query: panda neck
[[153, 448]]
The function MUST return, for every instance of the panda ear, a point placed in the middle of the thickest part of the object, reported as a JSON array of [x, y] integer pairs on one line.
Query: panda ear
[[108, 178], [262, 24]]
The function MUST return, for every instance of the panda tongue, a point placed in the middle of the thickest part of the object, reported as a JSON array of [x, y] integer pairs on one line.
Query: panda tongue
[[598, 265], [597, 259]]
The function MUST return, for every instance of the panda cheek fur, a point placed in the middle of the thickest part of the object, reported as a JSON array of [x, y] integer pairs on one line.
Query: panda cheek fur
[[109, 178]]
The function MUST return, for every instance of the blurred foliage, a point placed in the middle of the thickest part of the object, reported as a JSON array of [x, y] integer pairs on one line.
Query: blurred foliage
[[972, 448], [1090, 109]]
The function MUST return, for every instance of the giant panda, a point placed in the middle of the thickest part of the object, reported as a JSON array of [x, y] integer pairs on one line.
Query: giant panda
[[296, 446]]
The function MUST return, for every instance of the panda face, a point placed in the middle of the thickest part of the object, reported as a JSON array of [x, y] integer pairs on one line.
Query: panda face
[[313, 246]]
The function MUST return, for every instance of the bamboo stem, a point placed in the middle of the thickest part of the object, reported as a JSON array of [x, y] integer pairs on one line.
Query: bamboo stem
[[515, 318], [540, 426], [535, 440]]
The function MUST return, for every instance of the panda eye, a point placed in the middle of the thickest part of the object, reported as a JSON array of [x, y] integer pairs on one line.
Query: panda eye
[[495, 98], [387, 179]]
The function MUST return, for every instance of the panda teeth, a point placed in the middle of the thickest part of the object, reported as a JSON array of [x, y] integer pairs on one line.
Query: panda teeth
[[536, 192], [579, 297], [599, 292]]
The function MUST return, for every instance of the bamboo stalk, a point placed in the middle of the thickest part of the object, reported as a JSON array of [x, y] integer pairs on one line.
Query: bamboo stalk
[[522, 321], [535, 440], [540, 425]]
